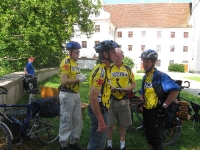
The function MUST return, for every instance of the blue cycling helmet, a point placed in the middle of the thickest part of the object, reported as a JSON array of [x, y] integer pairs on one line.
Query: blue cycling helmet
[[73, 45], [105, 46], [149, 54]]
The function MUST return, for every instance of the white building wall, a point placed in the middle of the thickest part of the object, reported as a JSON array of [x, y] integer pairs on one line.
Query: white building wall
[[195, 20], [109, 32], [151, 40]]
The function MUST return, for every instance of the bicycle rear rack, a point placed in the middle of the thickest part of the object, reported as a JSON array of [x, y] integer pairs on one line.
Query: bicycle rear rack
[[196, 115], [20, 114]]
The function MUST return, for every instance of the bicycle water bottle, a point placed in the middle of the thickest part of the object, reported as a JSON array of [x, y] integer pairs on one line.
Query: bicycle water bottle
[[17, 121]]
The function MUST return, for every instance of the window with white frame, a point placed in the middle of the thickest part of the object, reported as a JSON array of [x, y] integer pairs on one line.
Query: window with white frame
[[185, 61], [130, 47], [96, 42], [143, 34], [158, 48], [158, 34], [185, 48], [185, 34], [84, 44], [158, 63], [172, 48], [171, 61], [172, 35], [130, 34], [119, 34], [143, 47], [97, 28]]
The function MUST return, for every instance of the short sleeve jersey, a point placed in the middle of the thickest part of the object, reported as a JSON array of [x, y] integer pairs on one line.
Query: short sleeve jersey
[[30, 68], [99, 78], [70, 67], [121, 77], [150, 96]]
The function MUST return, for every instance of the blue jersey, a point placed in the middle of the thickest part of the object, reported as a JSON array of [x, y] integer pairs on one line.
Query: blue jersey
[[30, 68]]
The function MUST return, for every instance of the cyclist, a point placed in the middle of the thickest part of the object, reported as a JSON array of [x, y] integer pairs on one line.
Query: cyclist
[[153, 112], [29, 69], [121, 77], [70, 106], [99, 97]]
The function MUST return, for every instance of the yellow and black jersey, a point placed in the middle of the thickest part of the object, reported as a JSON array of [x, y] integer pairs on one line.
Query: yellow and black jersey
[[70, 67], [121, 78], [99, 78], [150, 96]]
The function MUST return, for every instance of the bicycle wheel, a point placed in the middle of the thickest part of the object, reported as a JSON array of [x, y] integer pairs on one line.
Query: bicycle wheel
[[171, 135], [5, 137], [48, 129], [137, 119]]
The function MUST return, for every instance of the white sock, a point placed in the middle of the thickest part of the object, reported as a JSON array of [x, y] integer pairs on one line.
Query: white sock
[[109, 143], [122, 144]]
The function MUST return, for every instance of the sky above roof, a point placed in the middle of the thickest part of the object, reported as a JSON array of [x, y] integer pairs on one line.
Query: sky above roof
[[142, 1]]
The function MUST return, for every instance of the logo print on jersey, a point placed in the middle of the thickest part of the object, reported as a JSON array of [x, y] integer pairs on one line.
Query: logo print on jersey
[[119, 74], [74, 68], [99, 81], [66, 66], [148, 85]]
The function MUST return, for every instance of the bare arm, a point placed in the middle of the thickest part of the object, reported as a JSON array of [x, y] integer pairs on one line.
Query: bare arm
[[96, 109], [66, 81], [171, 97]]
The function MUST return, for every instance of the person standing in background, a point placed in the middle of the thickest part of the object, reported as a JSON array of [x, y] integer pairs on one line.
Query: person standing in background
[[29, 69], [71, 122], [122, 83]]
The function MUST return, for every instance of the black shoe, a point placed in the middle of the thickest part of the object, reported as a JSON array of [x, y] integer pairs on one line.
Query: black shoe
[[75, 147], [109, 148], [63, 148]]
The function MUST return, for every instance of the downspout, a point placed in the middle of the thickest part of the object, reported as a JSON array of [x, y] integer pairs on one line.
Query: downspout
[[115, 33]]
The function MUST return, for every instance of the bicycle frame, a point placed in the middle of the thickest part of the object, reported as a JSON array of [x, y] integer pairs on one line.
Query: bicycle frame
[[30, 110]]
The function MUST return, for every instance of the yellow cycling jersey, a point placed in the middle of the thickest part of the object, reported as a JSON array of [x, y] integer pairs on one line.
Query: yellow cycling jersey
[[121, 77], [70, 67], [99, 78], [150, 96]]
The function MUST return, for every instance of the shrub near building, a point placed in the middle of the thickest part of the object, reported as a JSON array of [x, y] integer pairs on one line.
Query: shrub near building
[[176, 67]]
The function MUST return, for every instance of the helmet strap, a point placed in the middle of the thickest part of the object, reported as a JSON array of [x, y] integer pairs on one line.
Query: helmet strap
[[152, 66], [102, 57]]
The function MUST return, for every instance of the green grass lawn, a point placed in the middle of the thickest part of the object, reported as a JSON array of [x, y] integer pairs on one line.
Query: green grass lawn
[[193, 78], [135, 140]]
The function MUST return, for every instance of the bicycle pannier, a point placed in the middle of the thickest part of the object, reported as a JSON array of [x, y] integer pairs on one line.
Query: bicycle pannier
[[49, 107]]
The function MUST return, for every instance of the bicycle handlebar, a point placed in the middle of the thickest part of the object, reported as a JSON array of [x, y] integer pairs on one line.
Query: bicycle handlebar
[[4, 92], [182, 87]]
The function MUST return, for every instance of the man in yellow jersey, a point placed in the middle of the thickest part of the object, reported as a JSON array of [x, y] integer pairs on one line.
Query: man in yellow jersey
[[99, 97], [122, 83], [154, 111], [70, 105]]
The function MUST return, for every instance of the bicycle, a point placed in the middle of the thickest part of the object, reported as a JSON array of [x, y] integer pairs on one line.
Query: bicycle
[[171, 133], [19, 122], [193, 109]]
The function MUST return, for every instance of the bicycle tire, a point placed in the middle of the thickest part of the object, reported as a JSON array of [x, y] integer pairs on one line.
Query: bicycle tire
[[171, 135], [5, 137], [50, 134]]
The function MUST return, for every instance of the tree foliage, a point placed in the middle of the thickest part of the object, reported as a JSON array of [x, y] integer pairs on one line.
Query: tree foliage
[[38, 28], [128, 61]]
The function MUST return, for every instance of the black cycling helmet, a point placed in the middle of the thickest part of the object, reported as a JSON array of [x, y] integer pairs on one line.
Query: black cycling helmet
[[105, 46], [149, 54], [73, 45]]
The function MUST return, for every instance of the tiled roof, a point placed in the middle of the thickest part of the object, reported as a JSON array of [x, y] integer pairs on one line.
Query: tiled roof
[[164, 15]]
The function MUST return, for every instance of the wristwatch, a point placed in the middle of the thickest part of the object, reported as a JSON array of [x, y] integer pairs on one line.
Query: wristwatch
[[164, 105]]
